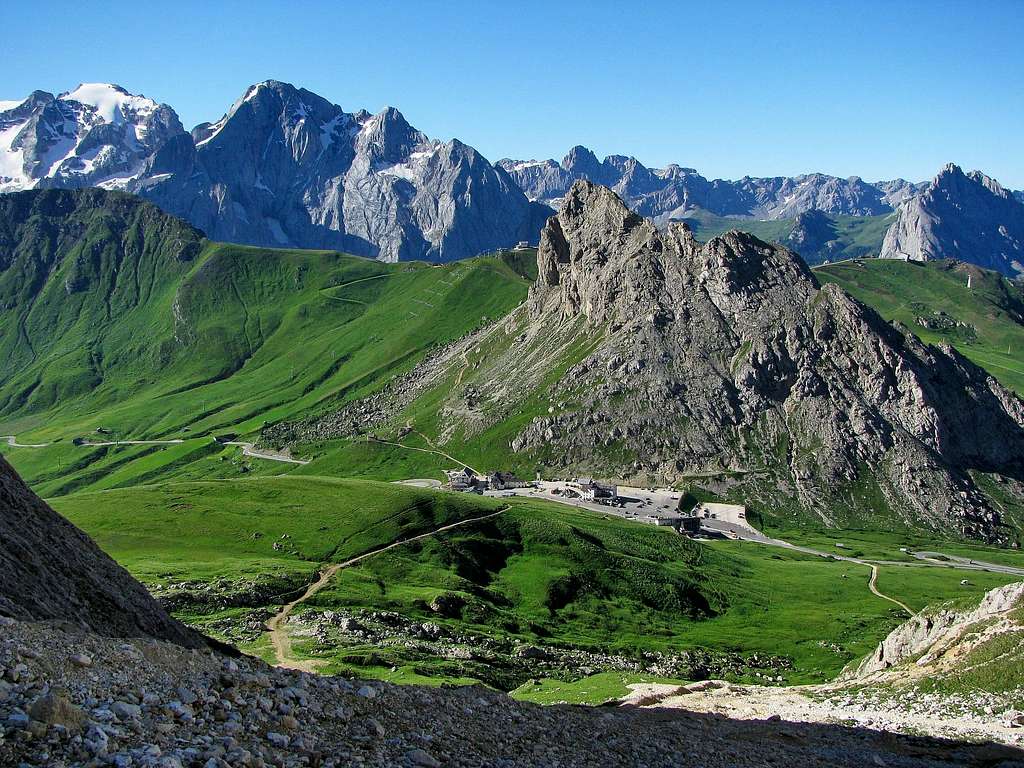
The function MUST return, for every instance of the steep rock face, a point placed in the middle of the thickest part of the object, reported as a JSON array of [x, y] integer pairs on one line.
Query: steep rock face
[[730, 358], [49, 569], [95, 135], [285, 167], [960, 216], [673, 191], [813, 234]]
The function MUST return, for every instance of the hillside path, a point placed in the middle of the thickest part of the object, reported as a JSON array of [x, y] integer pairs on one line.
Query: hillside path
[[277, 625], [874, 589], [370, 438]]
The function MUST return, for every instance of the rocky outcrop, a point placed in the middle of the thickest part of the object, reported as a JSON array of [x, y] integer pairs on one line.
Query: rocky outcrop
[[49, 569], [925, 638], [672, 192], [648, 357], [655, 359], [965, 216], [730, 361], [813, 236]]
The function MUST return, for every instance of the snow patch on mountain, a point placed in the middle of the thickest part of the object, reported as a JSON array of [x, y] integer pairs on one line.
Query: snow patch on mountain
[[112, 103]]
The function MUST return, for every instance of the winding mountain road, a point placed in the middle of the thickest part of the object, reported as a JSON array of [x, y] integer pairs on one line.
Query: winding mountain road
[[277, 626]]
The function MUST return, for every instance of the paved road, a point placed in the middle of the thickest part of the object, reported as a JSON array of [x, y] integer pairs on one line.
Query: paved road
[[248, 449], [257, 453], [934, 559], [12, 441], [279, 637]]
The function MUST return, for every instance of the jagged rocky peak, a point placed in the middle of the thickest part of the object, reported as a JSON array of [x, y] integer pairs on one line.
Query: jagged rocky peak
[[388, 137], [583, 163], [607, 261], [50, 570], [731, 357], [965, 216], [286, 167]]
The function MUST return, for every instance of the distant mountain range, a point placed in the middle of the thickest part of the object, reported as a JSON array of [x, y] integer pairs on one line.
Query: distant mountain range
[[286, 167], [283, 167], [673, 192]]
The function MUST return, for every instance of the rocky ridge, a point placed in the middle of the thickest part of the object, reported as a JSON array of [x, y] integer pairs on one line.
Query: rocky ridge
[[726, 352], [965, 216], [95, 135], [285, 167]]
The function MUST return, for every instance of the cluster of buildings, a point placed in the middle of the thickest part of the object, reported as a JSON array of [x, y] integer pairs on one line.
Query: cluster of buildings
[[466, 480], [642, 505]]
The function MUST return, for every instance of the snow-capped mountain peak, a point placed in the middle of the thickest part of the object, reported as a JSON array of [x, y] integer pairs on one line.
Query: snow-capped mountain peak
[[97, 134]]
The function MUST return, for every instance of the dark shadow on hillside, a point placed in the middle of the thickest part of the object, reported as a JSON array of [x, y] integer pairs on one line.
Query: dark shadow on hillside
[[786, 743]]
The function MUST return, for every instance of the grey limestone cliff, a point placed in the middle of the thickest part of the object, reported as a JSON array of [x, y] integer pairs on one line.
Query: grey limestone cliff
[[965, 216]]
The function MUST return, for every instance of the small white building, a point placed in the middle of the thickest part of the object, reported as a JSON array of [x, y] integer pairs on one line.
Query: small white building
[[591, 490]]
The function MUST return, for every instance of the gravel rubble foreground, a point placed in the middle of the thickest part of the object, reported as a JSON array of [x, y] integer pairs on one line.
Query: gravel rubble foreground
[[71, 698]]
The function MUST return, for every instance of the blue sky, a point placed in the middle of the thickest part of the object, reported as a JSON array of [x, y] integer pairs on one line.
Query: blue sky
[[877, 90]]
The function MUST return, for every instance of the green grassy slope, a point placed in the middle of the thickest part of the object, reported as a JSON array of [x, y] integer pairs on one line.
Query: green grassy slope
[[985, 323], [227, 529], [223, 341], [540, 573]]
